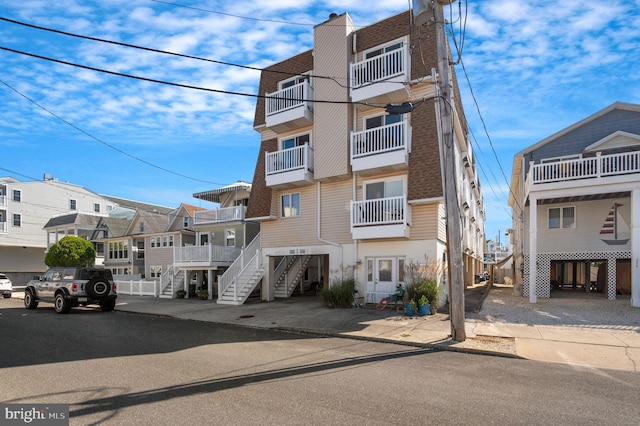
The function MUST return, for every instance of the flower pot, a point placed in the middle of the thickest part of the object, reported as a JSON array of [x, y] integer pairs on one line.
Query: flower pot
[[433, 309], [423, 309], [408, 310]]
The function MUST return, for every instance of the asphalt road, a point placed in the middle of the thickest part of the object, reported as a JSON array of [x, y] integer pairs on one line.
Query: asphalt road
[[120, 368]]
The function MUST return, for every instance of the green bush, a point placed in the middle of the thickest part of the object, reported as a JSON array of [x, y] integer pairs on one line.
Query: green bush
[[422, 281], [71, 251], [339, 295]]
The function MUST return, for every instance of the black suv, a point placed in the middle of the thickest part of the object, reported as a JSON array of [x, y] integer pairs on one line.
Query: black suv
[[69, 287]]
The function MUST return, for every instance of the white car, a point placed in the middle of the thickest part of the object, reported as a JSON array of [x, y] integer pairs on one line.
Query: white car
[[6, 288]]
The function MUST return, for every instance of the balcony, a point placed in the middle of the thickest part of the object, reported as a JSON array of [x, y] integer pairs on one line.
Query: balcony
[[381, 78], [381, 149], [290, 108], [3, 200], [227, 214], [204, 256], [380, 218], [289, 168], [598, 170], [3, 226]]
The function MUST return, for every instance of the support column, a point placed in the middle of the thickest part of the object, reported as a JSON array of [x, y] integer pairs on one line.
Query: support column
[[267, 293], [635, 248], [533, 249]]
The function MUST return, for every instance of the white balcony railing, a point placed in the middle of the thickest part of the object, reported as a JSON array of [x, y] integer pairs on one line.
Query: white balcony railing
[[378, 68], [3, 200], [291, 97], [379, 139], [3, 226], [226, 214], [286, 160], [585, 168], [381, 211], [205, 254]]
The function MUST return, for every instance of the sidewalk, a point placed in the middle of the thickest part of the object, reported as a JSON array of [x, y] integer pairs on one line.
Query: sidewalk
[[552, 330]]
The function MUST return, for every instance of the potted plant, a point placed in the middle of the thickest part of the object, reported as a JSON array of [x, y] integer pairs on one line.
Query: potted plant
[[203, 294], [433, 293], [180, 294], [410, 308], [423, 305]]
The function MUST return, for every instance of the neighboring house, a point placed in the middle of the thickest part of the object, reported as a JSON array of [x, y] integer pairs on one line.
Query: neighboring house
[[220, 237], [584, 185], [160, 247], [341, 187], [124, 241], [26, 207]]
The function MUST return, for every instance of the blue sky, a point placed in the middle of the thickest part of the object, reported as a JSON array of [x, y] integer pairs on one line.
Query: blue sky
[[535, 67]]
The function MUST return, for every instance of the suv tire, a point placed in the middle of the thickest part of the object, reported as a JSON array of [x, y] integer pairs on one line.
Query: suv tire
[[61, 304], [30, 302], [108, 305], [97, 289]]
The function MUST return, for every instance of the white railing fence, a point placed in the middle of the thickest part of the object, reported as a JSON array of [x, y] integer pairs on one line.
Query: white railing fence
[[220, 215], [378, 68], [583, 168], [380, 211], [208, 253], [288, 98], [138, 288], [289, 159], [230, 276]]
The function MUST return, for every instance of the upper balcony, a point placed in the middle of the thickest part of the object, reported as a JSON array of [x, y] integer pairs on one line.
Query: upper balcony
[[226, 214], [381, 78], [290, 108], [571, 173], [289, 168], [380, 218], [3, 200], [204, 256], [381, 149]]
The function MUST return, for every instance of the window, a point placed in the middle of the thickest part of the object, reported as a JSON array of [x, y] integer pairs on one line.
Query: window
[[99, 247], [140, 249], [382, 120], [165, 241], [185, 221], [73, 205], [170, 240], [299, 140], [292, 82], [17, 220], [291, 205], [141, 226], [17, 195], [230, 237], [96, 207], [155, 271], [384, 189], [562, 217], [118, 250]]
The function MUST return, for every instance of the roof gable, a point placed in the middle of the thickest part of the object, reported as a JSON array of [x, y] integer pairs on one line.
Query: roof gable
[[615, 140]]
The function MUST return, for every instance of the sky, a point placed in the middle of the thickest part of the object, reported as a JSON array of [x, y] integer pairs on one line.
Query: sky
[[527, 69]]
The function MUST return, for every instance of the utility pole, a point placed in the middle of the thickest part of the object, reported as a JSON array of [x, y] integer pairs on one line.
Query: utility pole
[[454, 229]]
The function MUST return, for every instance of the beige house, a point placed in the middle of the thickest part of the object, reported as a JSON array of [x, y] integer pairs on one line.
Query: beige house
[[342, 187]]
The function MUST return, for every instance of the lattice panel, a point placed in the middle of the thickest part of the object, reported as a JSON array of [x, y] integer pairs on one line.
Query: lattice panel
[[544, 269]]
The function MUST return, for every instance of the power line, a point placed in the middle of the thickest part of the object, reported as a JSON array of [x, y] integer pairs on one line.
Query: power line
[[105, 143], [484, 125], [185, 86]]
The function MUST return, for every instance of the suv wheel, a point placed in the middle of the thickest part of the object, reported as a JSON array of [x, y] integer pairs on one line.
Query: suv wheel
[[108, 305], [61, 305], [7, 295], [30, 301], [97, 289]]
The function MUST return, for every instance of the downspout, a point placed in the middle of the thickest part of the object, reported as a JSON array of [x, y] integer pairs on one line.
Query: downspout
[[322, 240]]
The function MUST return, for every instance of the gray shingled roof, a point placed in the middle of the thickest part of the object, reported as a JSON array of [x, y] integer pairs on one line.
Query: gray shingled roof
[[138, 205], [72, 219]]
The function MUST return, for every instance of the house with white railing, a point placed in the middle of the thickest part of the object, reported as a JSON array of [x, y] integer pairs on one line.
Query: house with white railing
[[575, 198], [344, 185], [220, 240]]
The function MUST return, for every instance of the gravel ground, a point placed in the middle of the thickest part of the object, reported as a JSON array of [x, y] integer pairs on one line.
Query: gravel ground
[[567, 307]]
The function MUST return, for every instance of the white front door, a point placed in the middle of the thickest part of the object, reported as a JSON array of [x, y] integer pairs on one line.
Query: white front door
[[383, 274]]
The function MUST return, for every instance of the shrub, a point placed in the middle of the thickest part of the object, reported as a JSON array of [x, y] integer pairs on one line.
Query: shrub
[[71, 251], [339, 295], [422, 281]]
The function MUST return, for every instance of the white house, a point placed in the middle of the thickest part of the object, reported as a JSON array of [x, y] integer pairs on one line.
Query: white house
[[25, 208], [575, 198]]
